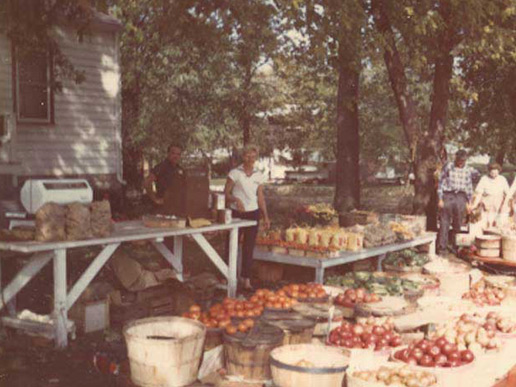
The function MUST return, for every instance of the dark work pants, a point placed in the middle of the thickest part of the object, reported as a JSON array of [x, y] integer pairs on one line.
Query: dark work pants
[[453, 212], [248, 240]]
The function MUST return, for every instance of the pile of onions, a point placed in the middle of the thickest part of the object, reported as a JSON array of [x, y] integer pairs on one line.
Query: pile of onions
[[356, 296], [468, 333], [377, 337], [304, 291], [495, 321], [403, 376], [434, 353]]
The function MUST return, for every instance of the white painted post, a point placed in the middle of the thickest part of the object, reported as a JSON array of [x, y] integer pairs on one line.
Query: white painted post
[[233, 262], [60, 313], [178, 252]]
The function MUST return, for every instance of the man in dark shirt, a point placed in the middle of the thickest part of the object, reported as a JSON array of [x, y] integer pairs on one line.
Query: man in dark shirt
[[165, 175]]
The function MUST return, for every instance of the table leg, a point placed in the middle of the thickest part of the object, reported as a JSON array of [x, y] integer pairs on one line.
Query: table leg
[[431, 250], [172, 258], [60, 312], [233, 262], [178, 252], [380, 260], [319, 275]]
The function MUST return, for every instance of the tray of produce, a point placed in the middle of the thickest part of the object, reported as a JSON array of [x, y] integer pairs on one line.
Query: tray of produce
[[473, 332], [163, 221], [378, 283], [391, 375], [387, 306], [351, 297], [273, 301], [482, 293], [311, 292], [407, 260], [434, 353], [364, 336]]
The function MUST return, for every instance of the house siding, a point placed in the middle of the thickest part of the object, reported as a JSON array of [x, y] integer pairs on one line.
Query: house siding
[[84, 137]]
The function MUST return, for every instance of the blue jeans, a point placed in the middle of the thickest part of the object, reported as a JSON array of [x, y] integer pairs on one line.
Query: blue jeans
[[248, 240]]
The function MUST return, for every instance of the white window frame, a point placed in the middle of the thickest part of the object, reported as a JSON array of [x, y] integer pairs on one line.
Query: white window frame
[[46, 120]]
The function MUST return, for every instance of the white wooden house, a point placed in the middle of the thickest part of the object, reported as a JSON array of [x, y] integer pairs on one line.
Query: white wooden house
[[76, 132]]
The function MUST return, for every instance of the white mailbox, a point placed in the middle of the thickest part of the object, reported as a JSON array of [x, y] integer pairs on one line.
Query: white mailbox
[[36, 192]]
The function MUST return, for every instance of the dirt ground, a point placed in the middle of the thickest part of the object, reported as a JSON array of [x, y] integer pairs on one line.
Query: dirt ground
[[28, 361]]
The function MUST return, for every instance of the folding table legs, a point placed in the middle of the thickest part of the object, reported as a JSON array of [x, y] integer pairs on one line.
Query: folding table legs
[[60, 314]]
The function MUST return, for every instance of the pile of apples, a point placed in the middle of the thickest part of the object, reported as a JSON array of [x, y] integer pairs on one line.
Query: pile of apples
[[376, 337], [356, 296], [434, 353], [468, 332], [483, 294], [304, 292]]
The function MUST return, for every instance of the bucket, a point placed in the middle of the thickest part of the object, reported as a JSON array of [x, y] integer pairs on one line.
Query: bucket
[[249, 359], [509, 248], [308, 365], [164, 351], [454, 278]]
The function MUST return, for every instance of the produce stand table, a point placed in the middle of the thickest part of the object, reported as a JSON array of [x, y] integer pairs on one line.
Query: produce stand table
[[43, 252], [320, 264]]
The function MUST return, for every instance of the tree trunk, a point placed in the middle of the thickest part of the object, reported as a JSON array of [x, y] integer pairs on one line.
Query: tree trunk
[[425, 148], [431, 145], [347, 193]]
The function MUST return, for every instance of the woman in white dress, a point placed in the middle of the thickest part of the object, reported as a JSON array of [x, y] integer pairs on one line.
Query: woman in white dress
[[491, 193]]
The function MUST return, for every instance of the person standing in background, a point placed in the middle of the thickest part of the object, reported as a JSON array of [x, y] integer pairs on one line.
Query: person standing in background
[[244, 194], [454, 193], [491, 193], [166, 174]]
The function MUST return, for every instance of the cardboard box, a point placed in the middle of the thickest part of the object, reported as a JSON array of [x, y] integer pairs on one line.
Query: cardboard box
[[90, 316]]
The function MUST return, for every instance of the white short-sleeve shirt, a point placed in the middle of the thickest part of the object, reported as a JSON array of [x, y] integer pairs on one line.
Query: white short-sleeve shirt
[[496, 187], [246, 187]]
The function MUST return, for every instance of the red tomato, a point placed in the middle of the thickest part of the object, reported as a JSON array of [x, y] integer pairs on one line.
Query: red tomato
[[358, 329], [454, 356], [426, 361], [440, 342], [423, 345], [417, 353], [412, 360], [467, 356], [440, 360], [395, 341], [433, 351], [379, 330]]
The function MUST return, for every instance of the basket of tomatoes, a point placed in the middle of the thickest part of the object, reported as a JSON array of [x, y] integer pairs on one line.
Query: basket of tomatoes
[[351, 297], [273, 301], [310, 292]]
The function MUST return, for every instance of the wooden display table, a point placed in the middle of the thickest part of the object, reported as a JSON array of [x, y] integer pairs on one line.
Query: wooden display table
[[64, 298], [320, 264]]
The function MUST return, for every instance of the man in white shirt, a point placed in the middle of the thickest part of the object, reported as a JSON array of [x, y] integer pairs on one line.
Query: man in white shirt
[[244, 194]]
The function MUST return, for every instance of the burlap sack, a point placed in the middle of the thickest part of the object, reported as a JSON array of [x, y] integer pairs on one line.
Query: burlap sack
[[78, 222], [101, 225], [50, 223]]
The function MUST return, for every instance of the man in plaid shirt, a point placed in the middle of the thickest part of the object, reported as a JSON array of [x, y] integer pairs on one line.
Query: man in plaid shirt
[[455, 191]]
